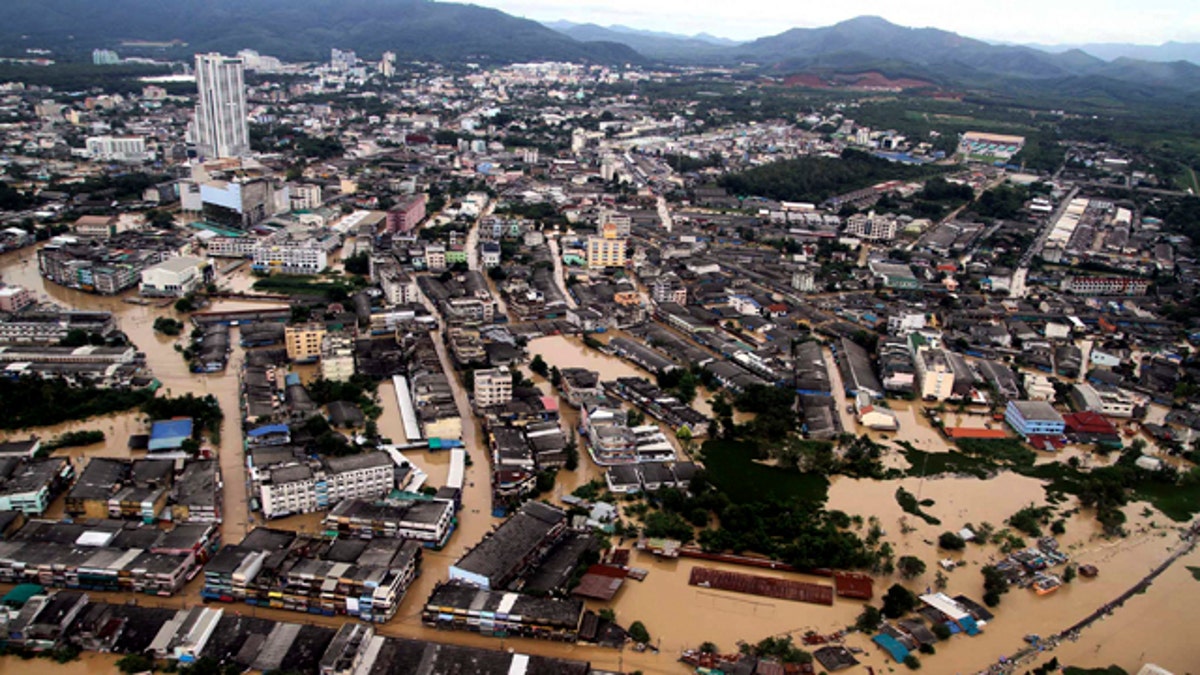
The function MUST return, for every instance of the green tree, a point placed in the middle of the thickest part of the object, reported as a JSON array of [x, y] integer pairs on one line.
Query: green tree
[[134, 663], [638, 632], [869, 619], [898, 601], [910, 566], [951, 541], [538, 365]]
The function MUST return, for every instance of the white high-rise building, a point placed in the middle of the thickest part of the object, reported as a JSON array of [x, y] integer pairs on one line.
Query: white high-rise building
[[221, 129]]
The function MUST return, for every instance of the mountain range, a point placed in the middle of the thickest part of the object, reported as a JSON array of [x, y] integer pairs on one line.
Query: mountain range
[[1109, 51], [459, 33]]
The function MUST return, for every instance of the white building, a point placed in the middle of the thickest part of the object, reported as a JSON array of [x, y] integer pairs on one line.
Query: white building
[[492, 387], [118, 149], [871, 227], [337, 358], [231, 247], [935, 375], [175, 277], [398, 286], [1038, 387], [290, 257], [305, 197], [304, 488], [221, 127]]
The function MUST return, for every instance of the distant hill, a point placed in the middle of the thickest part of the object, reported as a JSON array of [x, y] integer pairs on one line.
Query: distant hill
[[1110, 51], [653, 45], [872, 43], [298, 29]]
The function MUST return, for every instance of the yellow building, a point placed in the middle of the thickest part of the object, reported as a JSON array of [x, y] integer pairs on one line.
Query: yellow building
[[304, 342], [606, 249]]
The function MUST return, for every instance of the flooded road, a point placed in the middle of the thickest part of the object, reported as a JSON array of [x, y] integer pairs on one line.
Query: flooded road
[[679, 616]]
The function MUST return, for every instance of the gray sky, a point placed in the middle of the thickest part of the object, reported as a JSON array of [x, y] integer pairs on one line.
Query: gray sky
[[1023, 21]]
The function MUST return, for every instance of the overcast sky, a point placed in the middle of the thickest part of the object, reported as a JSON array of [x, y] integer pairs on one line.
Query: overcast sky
[[1023, 21]]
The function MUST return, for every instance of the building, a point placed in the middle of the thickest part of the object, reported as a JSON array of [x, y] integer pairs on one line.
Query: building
[[1034, 418], [305, 197], [493, 387], [51, 327], [176, 277], [221, 117], [871, 227], [337, 357], [1109, 401], [606, 249], [428, 521], [460, 606], [935, 375], [405, 216], [231, 247], [29, 486], [290, 256], [118, 149], [15, 298], [294, 487], [304, 342], [512, 548], [1080, 285]]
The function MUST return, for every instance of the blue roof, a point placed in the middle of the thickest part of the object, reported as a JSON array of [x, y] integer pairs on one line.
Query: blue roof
[[268, 429], [892, 645], [170, 434], [291, 378], [969, 625]]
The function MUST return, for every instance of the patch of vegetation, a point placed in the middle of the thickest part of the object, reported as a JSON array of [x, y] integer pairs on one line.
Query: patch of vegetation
[[994, 585], [1006, 451], [35, 402], [205, 412], [74, 439], [1195, 572], [908, 504], [732, 469], [359, 390], [898, 601], [333, 289], [1031, 519], [1111, 670], [815, 179], [168, 326], [951, 541], [779, 648]]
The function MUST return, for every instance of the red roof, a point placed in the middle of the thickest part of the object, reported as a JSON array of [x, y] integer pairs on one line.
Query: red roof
[[1088, 422]]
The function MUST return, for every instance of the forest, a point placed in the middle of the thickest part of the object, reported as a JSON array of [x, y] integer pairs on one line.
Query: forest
[[815, 179]]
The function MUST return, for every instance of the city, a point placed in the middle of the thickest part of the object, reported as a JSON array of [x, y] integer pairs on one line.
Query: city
[[383, 364]]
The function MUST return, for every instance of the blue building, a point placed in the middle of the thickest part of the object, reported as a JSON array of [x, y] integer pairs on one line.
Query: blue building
[[1034, 418]]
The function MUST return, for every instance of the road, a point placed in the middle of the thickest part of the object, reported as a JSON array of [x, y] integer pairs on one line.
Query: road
[[552, 242], [1036, 248]]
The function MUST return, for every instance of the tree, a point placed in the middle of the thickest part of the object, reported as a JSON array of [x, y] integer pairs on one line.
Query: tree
[[555, 377], [869, 619], [898, 601], [994, 585], [912, 662], [638, 632], [538, 365], [910, 566], [1069, 574], [135, 663], [951, 541], [709, 648]]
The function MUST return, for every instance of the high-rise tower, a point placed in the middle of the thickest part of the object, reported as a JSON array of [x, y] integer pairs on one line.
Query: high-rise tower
[[221, 129]]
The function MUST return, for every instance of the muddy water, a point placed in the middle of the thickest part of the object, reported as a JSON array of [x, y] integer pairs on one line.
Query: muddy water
[[20, 267], [959, 501]]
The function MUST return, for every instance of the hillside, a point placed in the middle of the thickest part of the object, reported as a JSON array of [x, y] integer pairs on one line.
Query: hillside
[[653, 45], [296, 29]]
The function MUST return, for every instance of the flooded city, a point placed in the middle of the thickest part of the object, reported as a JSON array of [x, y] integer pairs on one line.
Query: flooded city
[[678, 615]]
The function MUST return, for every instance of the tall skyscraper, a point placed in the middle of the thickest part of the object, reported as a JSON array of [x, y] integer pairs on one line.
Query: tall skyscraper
[[221, 129]]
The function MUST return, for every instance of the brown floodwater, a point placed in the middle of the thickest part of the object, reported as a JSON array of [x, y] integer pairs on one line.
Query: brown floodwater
[[1149, 628]]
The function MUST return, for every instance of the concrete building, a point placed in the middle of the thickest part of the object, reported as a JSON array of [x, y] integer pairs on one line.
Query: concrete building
[[305, 197], [15, 298], [1109, 402], [606, 249], [935, 375], [1080, 285], [175, 277], [405, 216], [303, 488], [425, 521], [512, 548], [871, 227], [221, 116], [337, 357], [118, 149], [304, 342], [1034, 418], [290, 256], [493, 387], [460, 606]]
